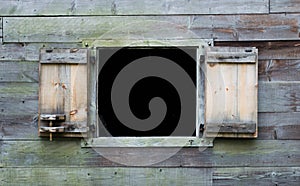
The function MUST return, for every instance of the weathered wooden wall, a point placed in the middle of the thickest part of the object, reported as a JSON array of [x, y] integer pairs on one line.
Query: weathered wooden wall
[[271, 25]]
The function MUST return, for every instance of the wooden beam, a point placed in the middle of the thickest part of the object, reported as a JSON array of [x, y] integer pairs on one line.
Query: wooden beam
[[221, 27], [132, 7], [63, 56], [147, 142]]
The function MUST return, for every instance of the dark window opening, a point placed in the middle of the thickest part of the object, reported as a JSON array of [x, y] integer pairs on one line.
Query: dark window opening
[[147, 91]]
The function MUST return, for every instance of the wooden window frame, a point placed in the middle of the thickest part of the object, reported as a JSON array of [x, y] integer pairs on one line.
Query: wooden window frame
[[94, 140]]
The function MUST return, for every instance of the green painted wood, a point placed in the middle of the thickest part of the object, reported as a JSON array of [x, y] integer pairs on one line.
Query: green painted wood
[[220, 27], [106, 176], [75, 29], [257, 176], [132, 7], [287, 6], [225, 153]]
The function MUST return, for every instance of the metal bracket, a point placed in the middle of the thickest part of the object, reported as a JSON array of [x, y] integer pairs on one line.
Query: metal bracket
[[52, 118]]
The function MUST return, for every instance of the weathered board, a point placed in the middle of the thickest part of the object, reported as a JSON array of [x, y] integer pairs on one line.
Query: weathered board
[[246, 27], [231, 92], [106, 176], [19, 72], [257, 176], [285, 6], [225, 153], [29, 51], [63, 88], [270, 50], [279, 96], [132, 7], [220, 27], [153, 176], [279, 70]]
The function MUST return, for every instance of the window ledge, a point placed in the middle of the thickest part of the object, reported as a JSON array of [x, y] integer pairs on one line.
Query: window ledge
[[147, 142]]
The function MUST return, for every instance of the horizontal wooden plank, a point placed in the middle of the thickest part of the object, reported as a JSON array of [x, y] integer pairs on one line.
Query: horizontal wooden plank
[[278, 96], [234, 127], [230, 55], [152, 176], [286, 6], [67, 29], [288, 132], [19, 72], [29, 51], [106, 176], [270, 50], [225, 153], [220, 27], [132, 7], [246, 27], [279, 70], [257, 176], [147, 142], [62, 56]]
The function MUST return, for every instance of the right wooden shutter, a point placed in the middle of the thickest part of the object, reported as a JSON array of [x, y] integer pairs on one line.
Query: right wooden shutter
[[230, 92]]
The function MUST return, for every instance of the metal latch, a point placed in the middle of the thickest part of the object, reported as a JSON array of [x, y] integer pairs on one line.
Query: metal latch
[[52, 118]]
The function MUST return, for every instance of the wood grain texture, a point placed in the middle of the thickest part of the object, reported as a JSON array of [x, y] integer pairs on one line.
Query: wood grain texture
[[106, 176], [225, 153], [132, 7], [278, 96], [28, 51], [286, 6], [246, 27], [220, 27], [257, 175], [63, 56], [19, 72], [75, 29], [269, 50], [152, 176], [279, 70]]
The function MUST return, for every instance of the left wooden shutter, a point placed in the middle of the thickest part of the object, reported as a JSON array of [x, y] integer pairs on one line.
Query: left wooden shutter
[[63, 92]]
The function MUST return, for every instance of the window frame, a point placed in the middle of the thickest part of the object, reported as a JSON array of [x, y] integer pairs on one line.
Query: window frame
[[94, 140]]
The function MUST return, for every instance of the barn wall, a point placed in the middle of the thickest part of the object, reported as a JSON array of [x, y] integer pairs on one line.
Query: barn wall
[[270, 25]]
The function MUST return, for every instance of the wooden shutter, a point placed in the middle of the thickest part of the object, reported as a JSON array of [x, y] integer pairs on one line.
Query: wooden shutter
[[63, 92], [230, 92]]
